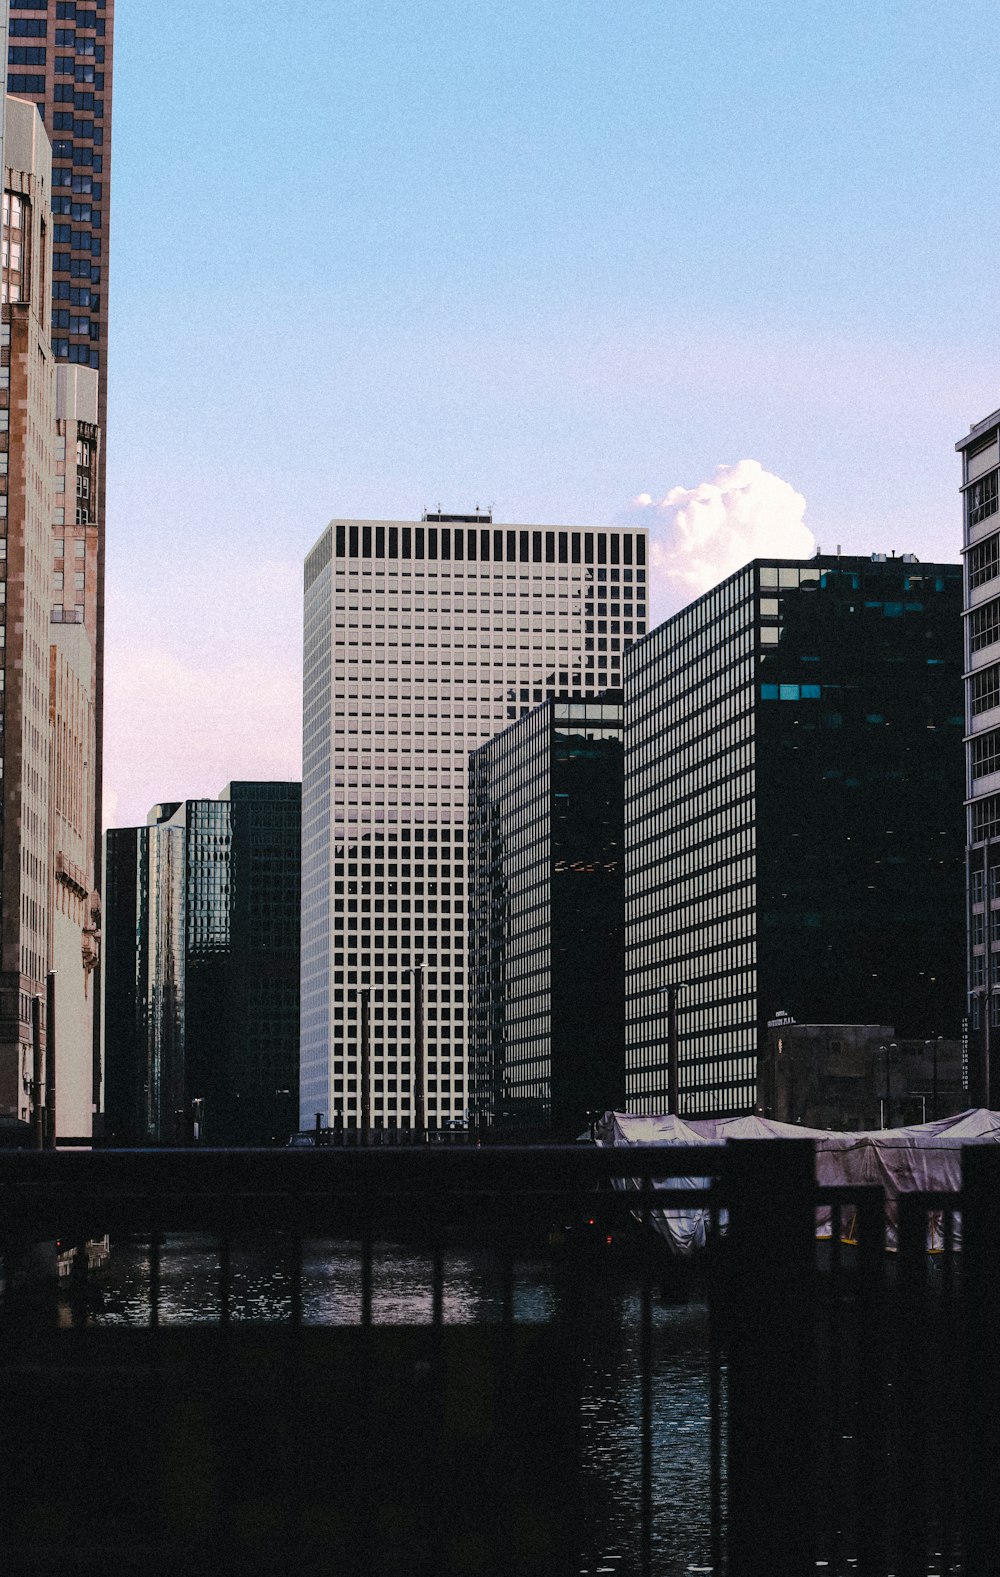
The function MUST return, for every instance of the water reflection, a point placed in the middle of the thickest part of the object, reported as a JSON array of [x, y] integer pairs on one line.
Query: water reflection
[[605, 1315]]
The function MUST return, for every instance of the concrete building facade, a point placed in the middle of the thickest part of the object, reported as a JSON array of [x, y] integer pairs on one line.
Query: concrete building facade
[[423, 639], [980, 453], [27, 434], [60, 58]]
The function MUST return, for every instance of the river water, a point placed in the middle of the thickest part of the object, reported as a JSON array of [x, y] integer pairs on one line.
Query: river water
[[610, 1399]]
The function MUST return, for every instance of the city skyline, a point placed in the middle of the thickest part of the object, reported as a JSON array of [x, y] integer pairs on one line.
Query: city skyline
[[655, 290]]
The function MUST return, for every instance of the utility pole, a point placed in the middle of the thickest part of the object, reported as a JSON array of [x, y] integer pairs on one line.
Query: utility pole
[[673, 1050], [36, 1073], [419, 1122], [50, 1061], [366, 1066]]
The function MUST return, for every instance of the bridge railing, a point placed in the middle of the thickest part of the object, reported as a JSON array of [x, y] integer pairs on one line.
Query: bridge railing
[[844, 1387]]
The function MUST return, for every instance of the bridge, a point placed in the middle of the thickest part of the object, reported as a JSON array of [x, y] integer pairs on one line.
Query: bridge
[[851, 1402]]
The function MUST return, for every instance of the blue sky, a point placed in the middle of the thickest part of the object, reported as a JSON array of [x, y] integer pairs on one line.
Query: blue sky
[[369, 257]]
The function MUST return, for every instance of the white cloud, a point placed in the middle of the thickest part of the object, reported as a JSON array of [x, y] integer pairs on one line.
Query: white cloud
[[699, 535]]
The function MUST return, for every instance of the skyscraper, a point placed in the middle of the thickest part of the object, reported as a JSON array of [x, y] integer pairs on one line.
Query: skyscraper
[[547, 918], [201, 1020], [60, 56], [980, 452], [422, 640], [794, 834], [27, 446]]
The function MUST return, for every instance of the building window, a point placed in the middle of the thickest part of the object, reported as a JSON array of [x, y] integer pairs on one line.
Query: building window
[[986, 818], [986, 753], [983, 498], [984, 625], [984, 561], [986, 689]]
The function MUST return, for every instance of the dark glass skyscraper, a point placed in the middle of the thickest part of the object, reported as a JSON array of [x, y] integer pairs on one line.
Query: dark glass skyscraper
[[546, 917], [202, 1009], [794, 825]]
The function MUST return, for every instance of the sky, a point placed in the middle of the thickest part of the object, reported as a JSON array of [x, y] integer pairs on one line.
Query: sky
[[725, 269]]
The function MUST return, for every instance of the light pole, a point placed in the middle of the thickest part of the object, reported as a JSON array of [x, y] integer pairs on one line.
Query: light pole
[[366, 1066], [673, 1047], [984, 995], [418, 1051], [885, 1103], [935, 1046]]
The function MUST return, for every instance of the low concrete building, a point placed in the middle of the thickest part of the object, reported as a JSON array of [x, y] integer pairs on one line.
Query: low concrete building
[[857, 1076]]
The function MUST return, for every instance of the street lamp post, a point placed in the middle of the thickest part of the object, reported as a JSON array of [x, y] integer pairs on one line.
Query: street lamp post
[[418, 1052], [885, 1120], [673, 1047], [984, 995], [366, 1066]]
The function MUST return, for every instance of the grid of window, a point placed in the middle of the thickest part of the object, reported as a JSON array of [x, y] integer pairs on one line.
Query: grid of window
[[426, 648], [71, 84], [690, 862], [546, 867], [984, 625], [983, 498], [984, 561], [985, 689], [986, 753], [764, 725], [986, 818]]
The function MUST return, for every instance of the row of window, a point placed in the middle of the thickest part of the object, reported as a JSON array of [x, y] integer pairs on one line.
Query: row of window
[[517, 546], [985, 689], [984, 625], [66, 66], [979, 885], [77, 295], [984, 561], [76, 267], [65, 93], [65, 320], [983, 498], [82, 356], [986, 753], [79, 240], [65, 120], [82, 157], [66, 11]]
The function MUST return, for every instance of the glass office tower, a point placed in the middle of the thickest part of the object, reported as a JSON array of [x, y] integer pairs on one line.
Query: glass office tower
[[794, 836], [423, 640], [547, 919], [202, 1002]]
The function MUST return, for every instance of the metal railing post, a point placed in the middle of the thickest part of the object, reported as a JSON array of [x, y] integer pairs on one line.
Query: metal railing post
[[981, 1300], [771, 1320]]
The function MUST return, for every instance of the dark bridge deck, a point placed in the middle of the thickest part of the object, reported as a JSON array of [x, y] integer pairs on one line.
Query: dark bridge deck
[[850, 1421]]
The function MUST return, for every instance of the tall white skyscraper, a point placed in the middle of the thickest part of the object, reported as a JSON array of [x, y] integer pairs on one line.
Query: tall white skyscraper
[[422, 640]]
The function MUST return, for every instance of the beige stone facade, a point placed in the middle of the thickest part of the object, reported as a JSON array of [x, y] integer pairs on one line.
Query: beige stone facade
[[27, 428]]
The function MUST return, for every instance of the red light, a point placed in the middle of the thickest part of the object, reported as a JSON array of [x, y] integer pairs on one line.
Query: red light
[[609, 1240], [590, 1222]]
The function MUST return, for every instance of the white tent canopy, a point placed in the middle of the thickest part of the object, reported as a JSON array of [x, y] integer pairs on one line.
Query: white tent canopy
[[924, 1156]]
